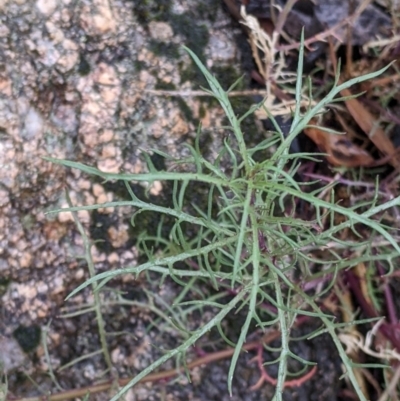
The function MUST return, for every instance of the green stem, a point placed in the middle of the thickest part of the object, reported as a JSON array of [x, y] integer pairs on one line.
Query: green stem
[[284, 338], [253, 298], [96, 294]]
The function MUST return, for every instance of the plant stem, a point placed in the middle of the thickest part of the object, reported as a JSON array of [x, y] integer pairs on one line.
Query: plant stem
[[97, 301], [153, 377]]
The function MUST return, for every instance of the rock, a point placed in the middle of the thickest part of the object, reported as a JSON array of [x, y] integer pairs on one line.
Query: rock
[[11, 356]]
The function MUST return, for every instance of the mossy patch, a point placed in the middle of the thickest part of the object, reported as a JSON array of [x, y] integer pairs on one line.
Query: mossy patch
[[165, 86], [147, 222], [208, 9], [99, 227], [183, 106], [28, 337], [151, 10], [139, 65], [196, 35], [227, 76], [83, 66], [4, 282], [186, 111], [191, 74], [251, 132], [169, 50]]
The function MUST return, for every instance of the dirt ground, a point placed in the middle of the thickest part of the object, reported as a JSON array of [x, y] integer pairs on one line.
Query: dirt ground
[[83, 80]]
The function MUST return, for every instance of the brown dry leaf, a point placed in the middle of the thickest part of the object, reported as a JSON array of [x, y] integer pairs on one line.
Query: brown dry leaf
[[340, 150], [366, 121], [379, 82], [369, 125]]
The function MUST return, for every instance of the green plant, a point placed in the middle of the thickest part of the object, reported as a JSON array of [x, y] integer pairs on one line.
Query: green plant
[[247, 241]]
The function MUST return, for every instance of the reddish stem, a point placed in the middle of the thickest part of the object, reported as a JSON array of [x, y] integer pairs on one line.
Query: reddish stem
[[265, 377]]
